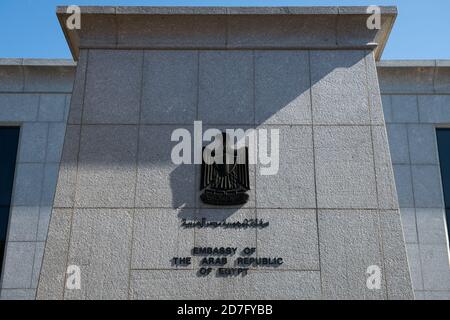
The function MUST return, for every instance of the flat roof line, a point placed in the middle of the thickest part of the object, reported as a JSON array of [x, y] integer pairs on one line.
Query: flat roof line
[[413, 63], [37, 62], [70, 63], [228, 10]]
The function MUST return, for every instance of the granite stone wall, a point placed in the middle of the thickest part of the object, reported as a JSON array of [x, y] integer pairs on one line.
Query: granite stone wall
[[332, 207], [35, 95], [416, 101]]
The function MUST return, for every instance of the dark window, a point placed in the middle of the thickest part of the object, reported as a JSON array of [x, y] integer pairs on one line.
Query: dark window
[[9, 139], [443, 139]]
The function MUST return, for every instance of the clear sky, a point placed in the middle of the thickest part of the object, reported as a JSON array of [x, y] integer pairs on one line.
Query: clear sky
[[29, 28]]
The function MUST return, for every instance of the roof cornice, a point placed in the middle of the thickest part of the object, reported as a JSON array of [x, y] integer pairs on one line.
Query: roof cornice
[[226, 28]]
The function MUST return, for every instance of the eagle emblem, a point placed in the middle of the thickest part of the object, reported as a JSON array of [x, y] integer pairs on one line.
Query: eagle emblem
[[225, 182]]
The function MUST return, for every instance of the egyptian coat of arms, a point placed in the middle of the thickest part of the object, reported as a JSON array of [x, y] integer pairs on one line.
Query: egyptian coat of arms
[[225, 177]]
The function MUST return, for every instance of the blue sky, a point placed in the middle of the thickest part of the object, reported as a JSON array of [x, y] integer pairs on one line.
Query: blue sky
[[29, 28]]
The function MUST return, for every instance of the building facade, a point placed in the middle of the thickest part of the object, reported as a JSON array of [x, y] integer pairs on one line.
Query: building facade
[[95, 186], [416, 107]]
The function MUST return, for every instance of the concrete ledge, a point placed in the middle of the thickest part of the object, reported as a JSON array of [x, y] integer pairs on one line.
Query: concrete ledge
[[37, 62], [414, 76], [225, 10], [36, 75], [443, 63], [395, 76], [413, 63], [226, 28]]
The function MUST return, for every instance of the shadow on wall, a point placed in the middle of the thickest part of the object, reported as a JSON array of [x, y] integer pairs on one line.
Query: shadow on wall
[[231, 94], [281, 96], [236, 89]]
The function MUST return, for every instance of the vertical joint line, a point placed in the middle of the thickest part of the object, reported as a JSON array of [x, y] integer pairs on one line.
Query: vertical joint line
[[23, 77], [414, 201], [314, 168], [371, 110], [417, 108], [255, 125], [380, 230], [141, 93], [196, 169], [226, 30], [76, 174]]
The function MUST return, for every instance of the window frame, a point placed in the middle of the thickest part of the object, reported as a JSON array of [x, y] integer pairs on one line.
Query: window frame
[[10, 189], [446, 203]]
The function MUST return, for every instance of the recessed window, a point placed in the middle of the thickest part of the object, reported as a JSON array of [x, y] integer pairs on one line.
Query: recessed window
[[443, 140], [9, 139]]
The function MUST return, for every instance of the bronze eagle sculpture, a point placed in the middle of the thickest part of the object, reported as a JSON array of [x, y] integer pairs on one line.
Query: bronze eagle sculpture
[[225, 183]]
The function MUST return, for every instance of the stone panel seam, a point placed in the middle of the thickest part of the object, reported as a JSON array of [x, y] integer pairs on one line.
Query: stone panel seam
[[418, 109], [432, 208], [23, 241], [5, 289], [235, 124], [43, 177], [254, 86], [40, 205], [76, 176], [432, 290], [227, 30], [409, 93], [336, 29], [37, 122], [315, 169], [250, 269], [141, 93], [34, 264], [196, 169], [380, 239], [390, 108], [116, 26], [380, 232], [414, 201], [66, 120], [197, 102], [238, 47], [248, 208], [23, 78], [36, 162], [72, 212], [435, 70], [66, 109], [39, 108], [254, 124], [34, 92], [370, 109], [398, 123]]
